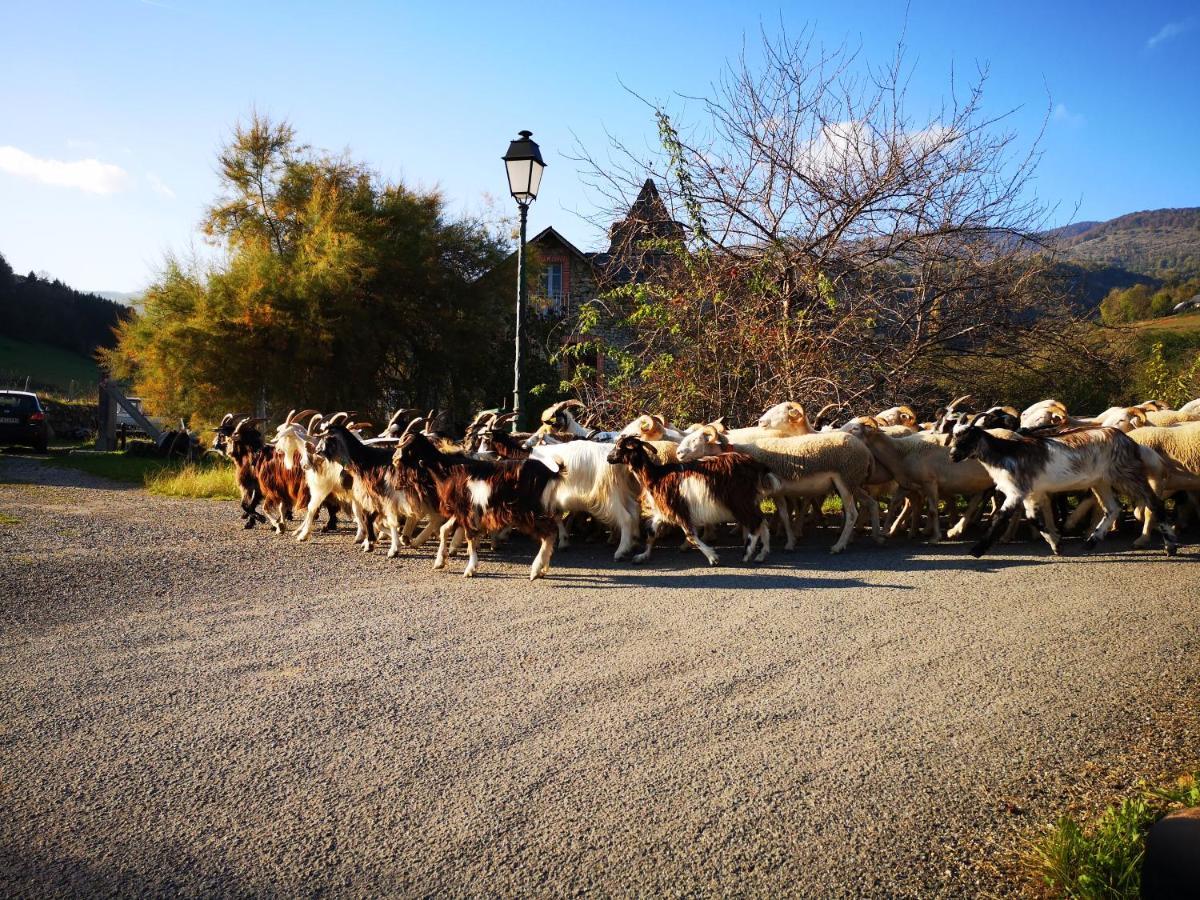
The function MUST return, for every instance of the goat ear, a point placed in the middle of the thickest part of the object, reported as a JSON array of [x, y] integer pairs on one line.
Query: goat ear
[[795, 412], [645, 423]]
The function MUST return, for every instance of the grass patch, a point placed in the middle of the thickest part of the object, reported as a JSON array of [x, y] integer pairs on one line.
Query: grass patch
[[6, 519], [206, 481], [114, 466], [1186, 322], [1103, 859], [47, 367]]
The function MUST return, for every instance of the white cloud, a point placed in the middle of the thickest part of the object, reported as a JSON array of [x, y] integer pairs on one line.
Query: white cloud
[[1064, 115], [852, 145], [89, 175], [159, 186], [1168, 31]]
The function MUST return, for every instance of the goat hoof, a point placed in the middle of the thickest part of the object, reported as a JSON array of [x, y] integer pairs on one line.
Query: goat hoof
[[249, 524], [1172, 549], [714, 561], [978, 551], [1089, 545]]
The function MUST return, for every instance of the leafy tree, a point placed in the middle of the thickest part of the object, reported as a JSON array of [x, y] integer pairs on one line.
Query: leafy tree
[[829, 245], [339, 291]]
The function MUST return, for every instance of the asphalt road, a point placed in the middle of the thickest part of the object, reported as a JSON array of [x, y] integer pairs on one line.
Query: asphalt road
[[192, 708]]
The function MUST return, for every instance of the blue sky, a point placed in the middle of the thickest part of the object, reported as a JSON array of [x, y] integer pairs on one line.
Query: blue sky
[[111, 111]]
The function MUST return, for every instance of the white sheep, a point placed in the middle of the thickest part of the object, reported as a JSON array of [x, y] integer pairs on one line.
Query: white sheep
[[807, 466]]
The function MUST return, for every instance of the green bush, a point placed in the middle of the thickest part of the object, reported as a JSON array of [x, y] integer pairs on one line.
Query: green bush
[[1104, 859]]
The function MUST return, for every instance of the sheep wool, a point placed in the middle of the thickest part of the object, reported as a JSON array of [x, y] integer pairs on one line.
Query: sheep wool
[[794, 458], [1180, 444]]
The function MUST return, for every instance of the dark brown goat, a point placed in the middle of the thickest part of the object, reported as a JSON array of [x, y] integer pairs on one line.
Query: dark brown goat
[[261, 474], [480, 497], [702, 492]]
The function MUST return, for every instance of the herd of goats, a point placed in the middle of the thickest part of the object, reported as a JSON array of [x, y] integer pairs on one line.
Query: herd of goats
[[1013, 466]]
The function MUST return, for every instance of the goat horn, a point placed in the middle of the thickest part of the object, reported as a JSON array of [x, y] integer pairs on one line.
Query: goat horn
[[409, 429], [959, 401], [828, 407], [294, 416], [403, 411]]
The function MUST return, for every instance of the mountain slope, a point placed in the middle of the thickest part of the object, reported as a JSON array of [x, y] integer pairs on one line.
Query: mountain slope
[[1162, 244]]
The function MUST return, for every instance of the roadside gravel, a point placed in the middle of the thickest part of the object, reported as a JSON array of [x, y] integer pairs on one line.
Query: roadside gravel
[[193, 708]]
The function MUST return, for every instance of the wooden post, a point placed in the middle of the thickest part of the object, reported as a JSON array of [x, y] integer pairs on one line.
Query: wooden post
[[106, 424]]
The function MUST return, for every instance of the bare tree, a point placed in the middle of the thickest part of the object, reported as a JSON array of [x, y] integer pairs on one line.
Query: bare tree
[[831, 245]]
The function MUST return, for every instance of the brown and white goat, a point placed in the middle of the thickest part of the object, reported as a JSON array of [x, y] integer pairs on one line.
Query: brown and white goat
[[480, 497], [708, 491], [261, 474], [329, 484], [392, 492]]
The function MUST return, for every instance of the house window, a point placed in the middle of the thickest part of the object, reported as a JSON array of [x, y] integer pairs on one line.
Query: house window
[[554, 284]]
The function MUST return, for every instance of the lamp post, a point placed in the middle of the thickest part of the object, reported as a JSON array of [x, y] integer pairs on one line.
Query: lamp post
[[524, 164]]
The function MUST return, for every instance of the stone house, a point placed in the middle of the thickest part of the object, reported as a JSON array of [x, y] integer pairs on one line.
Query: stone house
[[572, 278]]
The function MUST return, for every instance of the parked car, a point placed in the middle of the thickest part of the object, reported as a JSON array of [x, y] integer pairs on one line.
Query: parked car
[[23, 421]]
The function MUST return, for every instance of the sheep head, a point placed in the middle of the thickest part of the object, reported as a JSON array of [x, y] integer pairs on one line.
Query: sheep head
[[645, 427], [707, 440], [787, 416], [898, 415], [1044, 413]]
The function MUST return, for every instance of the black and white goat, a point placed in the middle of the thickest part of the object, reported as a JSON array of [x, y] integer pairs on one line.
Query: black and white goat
[[1028, 468]]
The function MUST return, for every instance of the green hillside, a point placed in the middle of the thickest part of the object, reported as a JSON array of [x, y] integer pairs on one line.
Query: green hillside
[[49, 368]]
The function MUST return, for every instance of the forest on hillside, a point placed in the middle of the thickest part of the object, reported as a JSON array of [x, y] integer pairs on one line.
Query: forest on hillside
[[46, 311], [1163, 244]]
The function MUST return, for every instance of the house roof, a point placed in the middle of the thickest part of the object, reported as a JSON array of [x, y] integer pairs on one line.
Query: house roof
[[550, 232]]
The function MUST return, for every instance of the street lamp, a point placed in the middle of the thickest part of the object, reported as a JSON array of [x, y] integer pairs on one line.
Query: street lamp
[[524, 164]]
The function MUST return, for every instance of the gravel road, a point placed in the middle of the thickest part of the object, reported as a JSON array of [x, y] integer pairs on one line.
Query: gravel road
[[193, 708]]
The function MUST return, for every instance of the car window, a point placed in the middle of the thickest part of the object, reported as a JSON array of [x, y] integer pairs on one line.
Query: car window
[[17, 404]]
